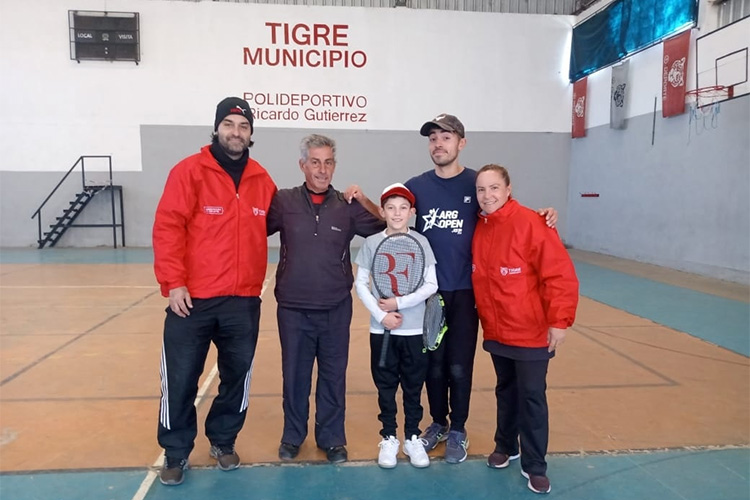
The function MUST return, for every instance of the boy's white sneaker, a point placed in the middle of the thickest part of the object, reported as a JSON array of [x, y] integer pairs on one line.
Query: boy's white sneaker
[[414, 449], [388, 452]]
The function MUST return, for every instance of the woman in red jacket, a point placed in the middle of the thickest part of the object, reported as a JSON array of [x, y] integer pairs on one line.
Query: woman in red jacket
[[526, 295]]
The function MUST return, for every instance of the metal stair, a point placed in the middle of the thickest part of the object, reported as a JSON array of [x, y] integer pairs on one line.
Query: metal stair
[[89, 190], [70, 214]]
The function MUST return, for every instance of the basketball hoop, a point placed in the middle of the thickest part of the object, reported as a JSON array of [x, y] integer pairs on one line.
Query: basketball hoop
[[708, 96], [704, 103]]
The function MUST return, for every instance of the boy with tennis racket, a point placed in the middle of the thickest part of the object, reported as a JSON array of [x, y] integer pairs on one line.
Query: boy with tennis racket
[[396, 275]]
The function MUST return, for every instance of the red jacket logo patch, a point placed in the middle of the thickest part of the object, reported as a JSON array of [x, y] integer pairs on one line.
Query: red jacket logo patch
[[213, 210], [510, 270]]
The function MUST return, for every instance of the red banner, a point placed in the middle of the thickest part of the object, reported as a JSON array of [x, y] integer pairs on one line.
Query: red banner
[[579, 108], [674, 74]]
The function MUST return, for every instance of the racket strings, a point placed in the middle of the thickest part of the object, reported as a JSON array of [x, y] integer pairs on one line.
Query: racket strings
[[398, 267], [397, 270], [434, 322]]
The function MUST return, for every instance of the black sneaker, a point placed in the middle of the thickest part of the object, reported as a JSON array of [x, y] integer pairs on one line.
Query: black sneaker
[[173, 471], [226, 458], [288, 451], [537, 484], [500, 460], [336, 454]]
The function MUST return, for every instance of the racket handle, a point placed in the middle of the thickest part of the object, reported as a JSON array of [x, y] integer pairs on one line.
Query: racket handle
[[384, 349]]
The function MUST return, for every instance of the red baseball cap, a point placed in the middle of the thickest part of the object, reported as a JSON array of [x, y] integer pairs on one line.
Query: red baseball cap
[[397, 189]]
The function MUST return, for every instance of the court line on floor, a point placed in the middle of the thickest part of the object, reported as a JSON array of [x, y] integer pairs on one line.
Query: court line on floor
[[683, 309], [152, 474], [584, 332], [744, 362], [74, 339]]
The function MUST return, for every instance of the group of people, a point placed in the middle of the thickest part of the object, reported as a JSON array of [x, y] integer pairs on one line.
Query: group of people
[[210, 255]]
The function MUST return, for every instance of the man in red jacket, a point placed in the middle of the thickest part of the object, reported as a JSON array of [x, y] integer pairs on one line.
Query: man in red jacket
[[210, 255]]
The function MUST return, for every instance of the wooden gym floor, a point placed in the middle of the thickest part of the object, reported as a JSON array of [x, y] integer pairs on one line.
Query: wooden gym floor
[[657, 360]]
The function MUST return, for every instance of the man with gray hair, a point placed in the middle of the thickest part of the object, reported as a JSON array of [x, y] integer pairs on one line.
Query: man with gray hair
[[313, 291]]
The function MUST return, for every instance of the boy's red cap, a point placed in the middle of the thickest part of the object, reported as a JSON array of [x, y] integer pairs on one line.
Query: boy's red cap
[[397, 189]]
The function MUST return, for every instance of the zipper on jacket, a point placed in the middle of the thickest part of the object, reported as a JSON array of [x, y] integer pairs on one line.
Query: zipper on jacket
[[487, 266], [315, 210], [282, 260], [237, 253]]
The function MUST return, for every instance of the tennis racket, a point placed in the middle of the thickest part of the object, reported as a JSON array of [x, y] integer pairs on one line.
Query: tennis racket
[[397, 270], [434, 322]]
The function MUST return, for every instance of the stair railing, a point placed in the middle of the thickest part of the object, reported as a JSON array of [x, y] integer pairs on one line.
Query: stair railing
[[82, 161]]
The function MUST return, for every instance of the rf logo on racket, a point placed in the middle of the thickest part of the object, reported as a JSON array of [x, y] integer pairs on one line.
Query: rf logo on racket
[[403, 259]]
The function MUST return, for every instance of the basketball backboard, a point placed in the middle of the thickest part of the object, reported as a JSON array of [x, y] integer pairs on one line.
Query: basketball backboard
[[721, 58]]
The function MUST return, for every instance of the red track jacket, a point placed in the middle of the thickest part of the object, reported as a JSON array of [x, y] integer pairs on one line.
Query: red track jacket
[[207, 235], [523, 278]]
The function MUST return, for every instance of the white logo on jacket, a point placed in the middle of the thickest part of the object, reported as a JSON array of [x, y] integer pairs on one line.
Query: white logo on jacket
[[505, 271], [259, 211], [209, 210]]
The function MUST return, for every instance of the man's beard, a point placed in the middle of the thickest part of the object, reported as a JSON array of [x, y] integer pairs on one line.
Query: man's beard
[[446, 159], [233, 148]]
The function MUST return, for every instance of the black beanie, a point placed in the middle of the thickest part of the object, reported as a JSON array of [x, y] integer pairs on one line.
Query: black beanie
[[233, 106]]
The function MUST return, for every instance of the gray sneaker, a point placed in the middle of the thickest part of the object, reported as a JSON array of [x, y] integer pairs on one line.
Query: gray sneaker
[[173, 471], [455, 448], [226, 458], [433, 435]]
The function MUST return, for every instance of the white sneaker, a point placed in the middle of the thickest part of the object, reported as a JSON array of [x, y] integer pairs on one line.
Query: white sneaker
[[414, 449], [388, 452]]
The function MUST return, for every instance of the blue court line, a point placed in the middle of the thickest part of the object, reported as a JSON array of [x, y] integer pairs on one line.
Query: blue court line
[[666, 475], [103, 255], [674, 475], [723, 322], [71, 486]]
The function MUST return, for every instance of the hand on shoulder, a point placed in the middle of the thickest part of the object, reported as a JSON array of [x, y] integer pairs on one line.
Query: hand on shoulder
[[549, 214], [353, 192]]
